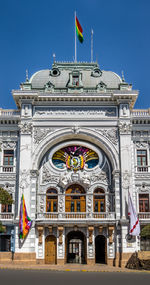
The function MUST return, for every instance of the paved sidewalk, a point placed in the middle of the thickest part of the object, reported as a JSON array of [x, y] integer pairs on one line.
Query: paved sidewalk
[[67, 267]]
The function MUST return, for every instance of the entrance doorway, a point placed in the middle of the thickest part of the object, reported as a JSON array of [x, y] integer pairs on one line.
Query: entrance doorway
[[76, 247], [100, 249], [50, 250]]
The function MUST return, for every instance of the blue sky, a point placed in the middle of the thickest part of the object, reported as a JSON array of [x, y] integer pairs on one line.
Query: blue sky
[[32, 30]]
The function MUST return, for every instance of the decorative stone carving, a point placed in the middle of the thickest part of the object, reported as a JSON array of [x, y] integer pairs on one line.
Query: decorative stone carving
[[34, 173], [126, 179], [110, 233], [40, 231], [42, 204], [100, 176], [125, 127], [24, 179], [26, 128], [76, 112], [40, 134], [111, 134], [49, 86], [91, 229], [61, 204], [75, 129], [60, 229], [141, 144], [48, 176], [9, 145], [89, 203]]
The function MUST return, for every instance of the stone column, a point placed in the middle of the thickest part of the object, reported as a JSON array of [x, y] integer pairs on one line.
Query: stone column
[[60, 245], [90, 246]]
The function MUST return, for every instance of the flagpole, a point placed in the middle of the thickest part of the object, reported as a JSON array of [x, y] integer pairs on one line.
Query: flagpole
[[91, 45], [75, 59]]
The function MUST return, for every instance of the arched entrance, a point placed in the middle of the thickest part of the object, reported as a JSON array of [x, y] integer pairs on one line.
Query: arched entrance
[[50, 250], [76, 247], [100, 249]]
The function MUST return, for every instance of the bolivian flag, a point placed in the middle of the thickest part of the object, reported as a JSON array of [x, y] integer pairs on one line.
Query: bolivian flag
[[79, 30]]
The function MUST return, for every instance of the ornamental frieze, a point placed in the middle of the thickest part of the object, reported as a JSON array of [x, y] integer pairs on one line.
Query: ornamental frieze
[[85, 112]]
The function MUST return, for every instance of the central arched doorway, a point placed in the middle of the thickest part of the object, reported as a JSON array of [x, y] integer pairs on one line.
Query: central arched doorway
[[76, 247], [50, 250], [100, 249]]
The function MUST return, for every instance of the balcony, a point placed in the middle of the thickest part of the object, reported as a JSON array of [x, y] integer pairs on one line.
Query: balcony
[[75, 216], [6, 216], [7, 168], [142, 168], [144, 216]]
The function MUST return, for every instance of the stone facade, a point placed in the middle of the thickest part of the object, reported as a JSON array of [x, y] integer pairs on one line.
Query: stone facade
[[76, 146]]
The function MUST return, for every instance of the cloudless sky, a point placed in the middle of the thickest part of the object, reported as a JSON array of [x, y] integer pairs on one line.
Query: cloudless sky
[[32, 30]]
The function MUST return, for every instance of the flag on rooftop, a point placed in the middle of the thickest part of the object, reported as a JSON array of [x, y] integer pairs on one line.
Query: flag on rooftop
[[79, 30]]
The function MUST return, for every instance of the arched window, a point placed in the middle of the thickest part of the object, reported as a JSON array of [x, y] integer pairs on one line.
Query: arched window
[[99, 200], [51, 200], [75, 199]]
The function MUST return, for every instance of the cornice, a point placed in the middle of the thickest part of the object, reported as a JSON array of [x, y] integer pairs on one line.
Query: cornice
[[111, 96]]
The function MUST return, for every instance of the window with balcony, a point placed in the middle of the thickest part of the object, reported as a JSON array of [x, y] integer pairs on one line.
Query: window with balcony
[[143, 203], [99, 201], [6, 208], [51, 201], [142, 161], [8, 160], [75, 199]]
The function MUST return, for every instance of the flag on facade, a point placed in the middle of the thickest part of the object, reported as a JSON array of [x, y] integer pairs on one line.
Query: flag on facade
[[24, 221], [79, 30], [134, 221]]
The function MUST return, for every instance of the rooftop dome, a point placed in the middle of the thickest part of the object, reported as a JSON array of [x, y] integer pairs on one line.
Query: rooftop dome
[[59, 76]]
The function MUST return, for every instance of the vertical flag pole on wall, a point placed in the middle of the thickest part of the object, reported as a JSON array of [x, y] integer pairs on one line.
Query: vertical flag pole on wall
[[92, 45], [75, 58]]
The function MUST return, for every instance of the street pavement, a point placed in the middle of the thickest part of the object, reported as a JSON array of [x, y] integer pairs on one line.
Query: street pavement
[[41, 277]]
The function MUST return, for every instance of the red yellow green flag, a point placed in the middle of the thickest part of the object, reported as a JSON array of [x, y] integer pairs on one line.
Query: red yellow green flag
[[79, 30]]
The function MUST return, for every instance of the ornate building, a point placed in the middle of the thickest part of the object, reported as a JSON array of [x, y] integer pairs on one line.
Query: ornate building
[[74, 148]]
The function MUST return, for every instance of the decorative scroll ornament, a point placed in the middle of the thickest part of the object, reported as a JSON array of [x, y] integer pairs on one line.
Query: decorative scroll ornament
[[100, 176], [26, 128], [142, 144], [24, 179], [40, 134], [9, 145], [48, 176], [111, 134]]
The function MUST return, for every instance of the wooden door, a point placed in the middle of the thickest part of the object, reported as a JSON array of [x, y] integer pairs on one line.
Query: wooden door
[[50, 250]]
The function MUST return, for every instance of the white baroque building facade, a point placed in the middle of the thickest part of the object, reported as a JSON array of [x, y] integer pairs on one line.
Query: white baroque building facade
[[74, 147]]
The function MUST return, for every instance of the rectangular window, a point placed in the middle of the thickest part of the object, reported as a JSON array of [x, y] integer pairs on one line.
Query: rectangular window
[[6, 208], [142, 160], [144, 203], [75, 80], [8, 157]]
